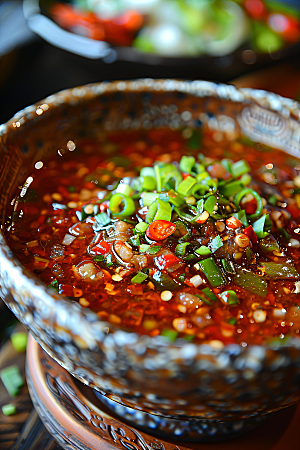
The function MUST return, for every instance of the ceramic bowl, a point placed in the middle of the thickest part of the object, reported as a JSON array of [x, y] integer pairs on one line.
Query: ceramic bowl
[[178, 380]]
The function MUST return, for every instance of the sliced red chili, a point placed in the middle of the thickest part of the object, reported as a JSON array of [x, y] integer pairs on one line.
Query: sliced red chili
[[160, 229], [163, 261], [251, 234], [102, 248]]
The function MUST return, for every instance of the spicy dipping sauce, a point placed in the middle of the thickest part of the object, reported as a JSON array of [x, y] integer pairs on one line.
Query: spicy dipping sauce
[[168, 233]]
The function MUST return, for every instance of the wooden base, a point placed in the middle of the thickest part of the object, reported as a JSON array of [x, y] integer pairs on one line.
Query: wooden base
[[78, 420]]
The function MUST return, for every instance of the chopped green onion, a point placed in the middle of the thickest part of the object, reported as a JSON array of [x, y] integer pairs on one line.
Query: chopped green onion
[[147, 172], [203, 251], [12, 379], [157, 177], [181, 249], [187, 163], [125, 189], [185, 187], [232, 188], [209, 294], [210, 203], [141, 227], [54, 285], [203, 177], [239, 168], [159, 210], [154, 249], [232, 321], [216, 243], [260, 225], [272, 200], [174, 177], [139, 278], [19, 341], [103, 219], [121, 205], [229, 266], [9, 409], [164, 282], [203, 299], [170, 334], [251, 282], [229, 298], [135, 240], [144, 247], [241, 216], [175, 199], [250, 255], [212, 272], [257, 197], [246, 179], [278, 271], [181, 278], [149, 198], [226, 163]]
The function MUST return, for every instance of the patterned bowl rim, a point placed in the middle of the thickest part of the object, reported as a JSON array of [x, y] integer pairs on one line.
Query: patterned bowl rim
[[75, 96]]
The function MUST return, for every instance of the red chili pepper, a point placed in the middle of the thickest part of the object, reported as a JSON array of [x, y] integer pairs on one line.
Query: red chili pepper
[[294, 211], [160, 229], [163, 261], [251, 234], [102, 248], [250, 207], [255, 8], [233, 222], [185, 175]]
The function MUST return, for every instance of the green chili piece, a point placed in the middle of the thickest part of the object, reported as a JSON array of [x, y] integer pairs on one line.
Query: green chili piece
[[159, 210], [212, 272], [147, 172], [125, 189], [203, 299], [228, 266], [121, 205], [260, 225], [154, 249], [278, 271], [139, 278], [209, 294], [259, 206], [229, 298], [144, 247], [203, 251], [251, 282], [181, 249], [163, 282], [269, 244], [102, 219]]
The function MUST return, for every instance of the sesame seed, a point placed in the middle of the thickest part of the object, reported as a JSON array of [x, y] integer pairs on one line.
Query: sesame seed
[[166, 295], [259, 315], [84, 302], [116, 277]]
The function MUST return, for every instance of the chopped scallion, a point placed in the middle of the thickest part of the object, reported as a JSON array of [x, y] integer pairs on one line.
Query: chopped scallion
[[212, 272], [139, 278]]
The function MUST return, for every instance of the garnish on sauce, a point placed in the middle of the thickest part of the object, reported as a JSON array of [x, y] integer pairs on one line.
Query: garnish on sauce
[[164, 238]]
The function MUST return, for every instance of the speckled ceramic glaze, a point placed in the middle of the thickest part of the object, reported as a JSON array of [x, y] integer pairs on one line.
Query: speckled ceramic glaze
[[180, 380]]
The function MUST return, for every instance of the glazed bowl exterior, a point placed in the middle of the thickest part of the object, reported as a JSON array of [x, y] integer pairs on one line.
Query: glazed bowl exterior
[[179, 380]]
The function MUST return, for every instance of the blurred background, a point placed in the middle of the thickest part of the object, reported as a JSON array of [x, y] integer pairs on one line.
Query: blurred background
[[46, 46]]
